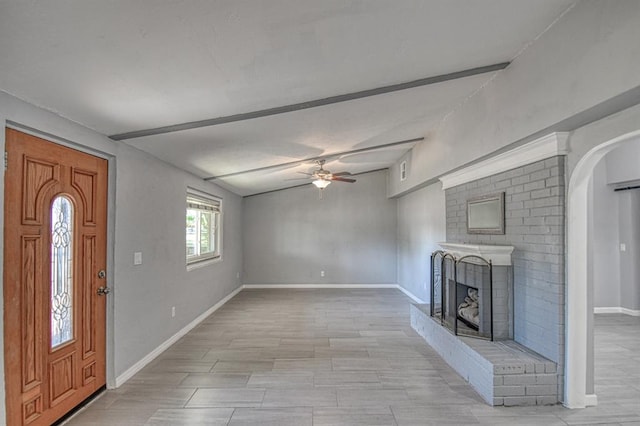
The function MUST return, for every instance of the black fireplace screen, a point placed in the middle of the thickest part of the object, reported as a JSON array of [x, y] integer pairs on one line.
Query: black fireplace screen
[[462, 294]]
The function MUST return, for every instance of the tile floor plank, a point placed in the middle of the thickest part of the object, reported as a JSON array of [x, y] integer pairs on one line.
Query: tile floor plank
[[299, 416], [191, 416], [211, 397]]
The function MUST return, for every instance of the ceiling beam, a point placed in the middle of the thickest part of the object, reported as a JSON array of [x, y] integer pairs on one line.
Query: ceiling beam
[[322, 157], [309, 104]]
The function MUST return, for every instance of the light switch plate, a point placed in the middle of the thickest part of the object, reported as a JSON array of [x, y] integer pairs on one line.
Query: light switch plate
[[137, 258]]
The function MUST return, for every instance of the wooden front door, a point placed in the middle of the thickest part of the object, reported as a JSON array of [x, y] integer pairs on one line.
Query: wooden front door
[[55, 220]]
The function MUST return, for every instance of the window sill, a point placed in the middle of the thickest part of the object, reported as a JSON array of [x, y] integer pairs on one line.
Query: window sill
[[202, 263]]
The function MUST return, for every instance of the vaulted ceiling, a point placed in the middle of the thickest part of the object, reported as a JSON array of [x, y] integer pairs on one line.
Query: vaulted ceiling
[[221, 88]]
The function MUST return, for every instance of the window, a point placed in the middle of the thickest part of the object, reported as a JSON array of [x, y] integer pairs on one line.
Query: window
[[203, 228]]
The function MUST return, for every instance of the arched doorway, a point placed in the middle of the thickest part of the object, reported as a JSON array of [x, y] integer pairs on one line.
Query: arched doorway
[[578, 331]]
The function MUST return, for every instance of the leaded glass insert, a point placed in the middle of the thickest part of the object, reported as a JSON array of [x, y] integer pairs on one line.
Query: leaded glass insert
[[61, 271]]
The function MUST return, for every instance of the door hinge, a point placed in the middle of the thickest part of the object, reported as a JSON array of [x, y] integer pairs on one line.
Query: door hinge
[[6, 160]]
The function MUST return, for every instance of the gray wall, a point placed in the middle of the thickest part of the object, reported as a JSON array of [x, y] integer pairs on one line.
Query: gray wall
[[615, 274], [150, 218], [629, 214], [623, 163], [146, 213], [292, 235], [603, 241], [421, 225], [534, 212]]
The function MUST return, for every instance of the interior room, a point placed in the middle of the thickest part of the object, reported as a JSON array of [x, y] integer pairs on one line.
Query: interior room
[[397, 213]]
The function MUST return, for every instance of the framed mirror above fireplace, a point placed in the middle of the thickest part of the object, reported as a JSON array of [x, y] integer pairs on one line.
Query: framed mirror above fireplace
[[485, 215]]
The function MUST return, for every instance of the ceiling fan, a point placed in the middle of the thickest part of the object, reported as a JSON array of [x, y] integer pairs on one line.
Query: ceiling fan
[[321, 178]]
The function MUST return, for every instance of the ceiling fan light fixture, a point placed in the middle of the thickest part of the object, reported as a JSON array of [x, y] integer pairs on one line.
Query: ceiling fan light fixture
[[321, 183]]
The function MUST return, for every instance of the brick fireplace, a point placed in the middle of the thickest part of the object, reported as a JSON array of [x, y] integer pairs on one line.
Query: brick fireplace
[[534, 213]]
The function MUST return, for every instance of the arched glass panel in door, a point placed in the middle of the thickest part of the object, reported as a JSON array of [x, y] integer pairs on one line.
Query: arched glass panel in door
[[61, 271]]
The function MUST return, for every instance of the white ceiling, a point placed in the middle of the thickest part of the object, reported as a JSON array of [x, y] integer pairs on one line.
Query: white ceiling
[[119, 66]]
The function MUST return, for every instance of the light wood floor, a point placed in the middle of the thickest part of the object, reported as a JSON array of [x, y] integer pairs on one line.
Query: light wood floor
[[336, 357]]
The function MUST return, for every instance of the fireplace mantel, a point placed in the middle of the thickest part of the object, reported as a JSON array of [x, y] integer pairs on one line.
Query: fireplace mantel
[[498, 255]]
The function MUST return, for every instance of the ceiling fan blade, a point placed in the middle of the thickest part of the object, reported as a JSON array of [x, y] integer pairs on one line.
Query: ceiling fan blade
[[342, 174], [300, 178], [339, 179]]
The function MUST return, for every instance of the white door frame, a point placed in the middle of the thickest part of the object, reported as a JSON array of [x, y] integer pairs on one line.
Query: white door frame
[[578, 289]]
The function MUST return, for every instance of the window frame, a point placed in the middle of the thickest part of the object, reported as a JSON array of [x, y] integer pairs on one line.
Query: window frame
[[203, 202]]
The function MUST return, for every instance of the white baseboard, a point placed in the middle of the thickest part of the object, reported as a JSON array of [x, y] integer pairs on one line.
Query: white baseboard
[[591, 400], [121, 379], [312, 286], [411, 295], [617, 310], [606, 310]]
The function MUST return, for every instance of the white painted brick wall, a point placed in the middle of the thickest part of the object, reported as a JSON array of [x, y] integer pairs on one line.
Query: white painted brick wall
[[535, 216]]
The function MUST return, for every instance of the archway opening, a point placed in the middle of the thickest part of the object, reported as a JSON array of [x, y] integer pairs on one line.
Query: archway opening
[[579, 307]]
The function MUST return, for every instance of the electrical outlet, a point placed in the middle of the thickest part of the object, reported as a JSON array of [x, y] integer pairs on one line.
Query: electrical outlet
[[137, 258], [173, 312], [623, 247], [322, 273]]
